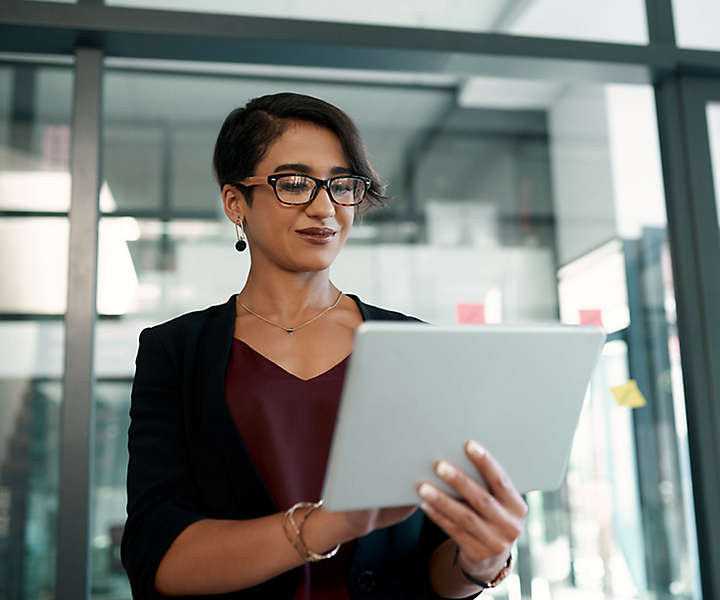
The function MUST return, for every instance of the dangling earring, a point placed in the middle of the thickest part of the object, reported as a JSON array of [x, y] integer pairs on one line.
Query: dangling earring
[[241, 244]]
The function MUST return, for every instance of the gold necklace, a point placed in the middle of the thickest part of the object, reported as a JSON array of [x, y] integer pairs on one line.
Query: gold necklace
[[293, 329]]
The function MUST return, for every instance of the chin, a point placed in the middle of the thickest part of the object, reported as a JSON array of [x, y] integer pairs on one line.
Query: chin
[[314, 266], [318, 263]]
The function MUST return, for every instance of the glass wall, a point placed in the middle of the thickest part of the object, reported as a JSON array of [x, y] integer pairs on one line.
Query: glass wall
[[621, 21], [35, 106], [537, 201]]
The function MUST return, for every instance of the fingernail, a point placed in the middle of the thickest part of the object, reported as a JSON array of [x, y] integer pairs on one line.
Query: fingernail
[[427, 491], [445, 469], [476, 449]]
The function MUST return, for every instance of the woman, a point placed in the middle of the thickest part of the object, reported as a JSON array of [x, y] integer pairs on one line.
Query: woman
[[233, 406]]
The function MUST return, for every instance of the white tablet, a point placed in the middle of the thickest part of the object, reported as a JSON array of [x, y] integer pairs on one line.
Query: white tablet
[[415, 392]]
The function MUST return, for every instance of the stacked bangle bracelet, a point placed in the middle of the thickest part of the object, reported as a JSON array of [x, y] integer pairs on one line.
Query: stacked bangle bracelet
[[299, 543]]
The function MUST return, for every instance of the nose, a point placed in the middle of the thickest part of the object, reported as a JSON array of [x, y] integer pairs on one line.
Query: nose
[[322, 205]]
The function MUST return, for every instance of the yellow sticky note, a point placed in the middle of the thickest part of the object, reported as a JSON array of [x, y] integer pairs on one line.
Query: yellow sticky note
[[628, 394]]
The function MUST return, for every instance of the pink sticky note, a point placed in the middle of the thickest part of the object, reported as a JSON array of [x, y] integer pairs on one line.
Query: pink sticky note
[[471, 313], [591, 316]]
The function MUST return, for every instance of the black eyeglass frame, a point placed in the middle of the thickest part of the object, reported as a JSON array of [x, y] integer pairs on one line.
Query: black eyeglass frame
[[319, 183]]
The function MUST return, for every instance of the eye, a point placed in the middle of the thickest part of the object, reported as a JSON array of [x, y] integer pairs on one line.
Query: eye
[[344, 186], [294, 184]]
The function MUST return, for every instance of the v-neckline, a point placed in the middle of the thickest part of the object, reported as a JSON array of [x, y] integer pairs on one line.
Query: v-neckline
[[284, 370], [353, 297]]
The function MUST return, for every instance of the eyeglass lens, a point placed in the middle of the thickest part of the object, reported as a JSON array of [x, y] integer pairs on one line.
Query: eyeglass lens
[[298, 189]]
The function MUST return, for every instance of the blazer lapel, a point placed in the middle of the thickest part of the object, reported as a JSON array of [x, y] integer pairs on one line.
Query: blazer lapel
[[252, 496]]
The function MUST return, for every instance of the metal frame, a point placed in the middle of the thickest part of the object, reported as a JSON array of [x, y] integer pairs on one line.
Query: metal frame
[[695, 250], [77, 420], [125, 33], [59, 28], [660, 21]]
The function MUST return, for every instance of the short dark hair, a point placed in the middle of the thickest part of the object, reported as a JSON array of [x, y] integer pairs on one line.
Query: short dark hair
[[248, 131]]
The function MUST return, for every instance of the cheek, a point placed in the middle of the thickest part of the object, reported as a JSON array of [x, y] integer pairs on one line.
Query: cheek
[[346, 218], [270, 226]]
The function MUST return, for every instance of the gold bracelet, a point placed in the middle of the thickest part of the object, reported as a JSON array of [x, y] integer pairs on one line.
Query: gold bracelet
[[300, 545], [285, 517], [484, 584]]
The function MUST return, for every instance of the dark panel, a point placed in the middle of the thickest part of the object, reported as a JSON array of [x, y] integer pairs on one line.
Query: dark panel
[[694, 249]]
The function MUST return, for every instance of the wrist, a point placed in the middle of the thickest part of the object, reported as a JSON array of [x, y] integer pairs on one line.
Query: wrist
[[324, 529], [484, 572], [489, 574], [342, 527]]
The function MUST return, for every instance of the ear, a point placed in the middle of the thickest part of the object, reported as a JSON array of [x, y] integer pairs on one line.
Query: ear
[[233, 203]]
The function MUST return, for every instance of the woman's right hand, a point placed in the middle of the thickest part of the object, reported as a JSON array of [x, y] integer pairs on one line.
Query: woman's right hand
[[364, 521]]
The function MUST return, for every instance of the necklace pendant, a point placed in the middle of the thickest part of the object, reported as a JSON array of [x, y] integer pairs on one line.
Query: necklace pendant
[[290, 330]]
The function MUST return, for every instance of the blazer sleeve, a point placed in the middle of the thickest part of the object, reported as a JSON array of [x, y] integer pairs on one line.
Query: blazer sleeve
[[161, 495], [431, 537]]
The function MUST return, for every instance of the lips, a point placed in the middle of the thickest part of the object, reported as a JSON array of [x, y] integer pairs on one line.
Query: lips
[[318, 231]]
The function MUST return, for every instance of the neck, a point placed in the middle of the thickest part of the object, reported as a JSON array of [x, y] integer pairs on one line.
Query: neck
[[287, 297]]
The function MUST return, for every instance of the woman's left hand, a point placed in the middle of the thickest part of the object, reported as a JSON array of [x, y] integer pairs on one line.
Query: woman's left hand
[[484, 522]]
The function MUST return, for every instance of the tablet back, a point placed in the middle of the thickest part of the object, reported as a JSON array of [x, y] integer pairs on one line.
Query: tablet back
[[414, 393]]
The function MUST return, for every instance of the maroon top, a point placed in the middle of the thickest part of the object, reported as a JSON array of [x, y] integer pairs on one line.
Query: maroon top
[[287, 425]]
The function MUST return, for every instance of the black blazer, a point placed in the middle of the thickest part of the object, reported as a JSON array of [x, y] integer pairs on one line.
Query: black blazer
[[189, 462]]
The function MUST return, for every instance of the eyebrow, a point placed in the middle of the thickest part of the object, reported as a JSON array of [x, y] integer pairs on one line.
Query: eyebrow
[[303, 168]]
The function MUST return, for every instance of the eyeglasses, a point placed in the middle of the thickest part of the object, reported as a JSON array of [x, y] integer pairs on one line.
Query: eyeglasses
[[294, 189]]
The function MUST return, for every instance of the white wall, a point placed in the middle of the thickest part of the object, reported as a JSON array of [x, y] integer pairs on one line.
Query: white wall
[[639, 194], [581, 170], [607, 173]]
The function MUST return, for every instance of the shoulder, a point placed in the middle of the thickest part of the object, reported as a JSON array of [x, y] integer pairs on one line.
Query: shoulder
[[187, 326], [371, 312]]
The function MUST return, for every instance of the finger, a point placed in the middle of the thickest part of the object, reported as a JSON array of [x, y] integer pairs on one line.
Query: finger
[[475, 549], [464, 518], [479, 499], [496, 478]]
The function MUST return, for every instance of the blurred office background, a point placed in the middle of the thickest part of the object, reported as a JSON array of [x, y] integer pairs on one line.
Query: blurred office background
[[550, 160]]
